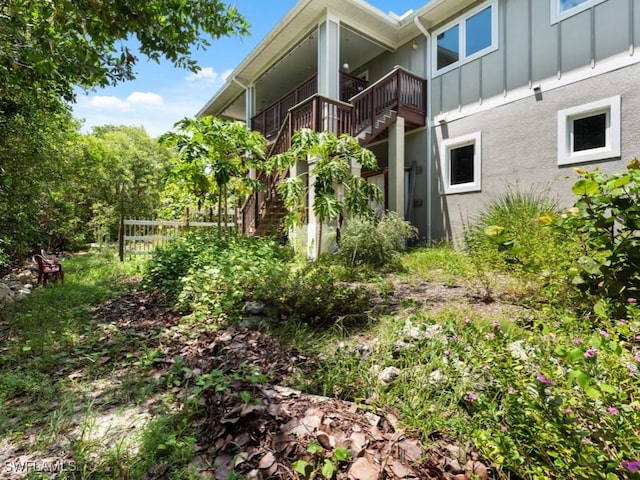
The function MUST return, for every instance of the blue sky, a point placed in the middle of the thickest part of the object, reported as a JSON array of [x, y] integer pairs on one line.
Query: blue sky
[[161, 94]]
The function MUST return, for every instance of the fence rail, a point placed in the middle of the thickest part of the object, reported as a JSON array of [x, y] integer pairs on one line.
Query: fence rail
[[142, 236]]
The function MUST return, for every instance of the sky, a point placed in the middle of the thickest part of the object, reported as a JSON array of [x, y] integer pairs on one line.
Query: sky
[[162, 94]]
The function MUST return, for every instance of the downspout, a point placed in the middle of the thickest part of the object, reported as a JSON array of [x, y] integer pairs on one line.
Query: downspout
[[427, 35]]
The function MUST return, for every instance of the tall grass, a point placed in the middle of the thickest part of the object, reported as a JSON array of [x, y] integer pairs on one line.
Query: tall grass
[[510, 235]]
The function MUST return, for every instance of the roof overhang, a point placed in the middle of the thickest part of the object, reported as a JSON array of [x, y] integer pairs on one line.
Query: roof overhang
[[388, 30]]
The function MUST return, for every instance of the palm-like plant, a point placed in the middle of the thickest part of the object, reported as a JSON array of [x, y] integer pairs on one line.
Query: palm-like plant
[[213, 152], [331, 158]]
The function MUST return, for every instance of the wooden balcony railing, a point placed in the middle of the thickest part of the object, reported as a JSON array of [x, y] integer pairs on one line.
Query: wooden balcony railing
[[399, 90], [269, 120], [368, 110]]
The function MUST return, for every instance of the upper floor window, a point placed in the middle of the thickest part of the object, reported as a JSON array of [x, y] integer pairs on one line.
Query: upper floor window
[[468, 37], [561, 9]]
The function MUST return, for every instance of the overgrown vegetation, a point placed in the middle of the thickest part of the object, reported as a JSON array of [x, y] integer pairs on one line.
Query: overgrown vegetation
[[544, 380]]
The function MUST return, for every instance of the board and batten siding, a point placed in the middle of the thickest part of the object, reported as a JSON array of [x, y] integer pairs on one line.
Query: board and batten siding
[[532, 49]]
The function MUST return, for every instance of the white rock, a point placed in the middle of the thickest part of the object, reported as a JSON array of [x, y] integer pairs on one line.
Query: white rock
[[421, 331], [388, 375], [517, 350], [254, 308], [437, 378]]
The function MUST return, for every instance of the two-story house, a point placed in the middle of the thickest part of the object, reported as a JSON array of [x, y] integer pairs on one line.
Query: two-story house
[[460, 100]]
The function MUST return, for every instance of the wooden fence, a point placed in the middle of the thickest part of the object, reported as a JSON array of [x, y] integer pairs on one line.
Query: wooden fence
[[141, 236]]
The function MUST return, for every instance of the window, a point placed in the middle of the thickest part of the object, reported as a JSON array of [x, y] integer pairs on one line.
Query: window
[[470, 36], [561, 9], [460, 163], [589, 132]]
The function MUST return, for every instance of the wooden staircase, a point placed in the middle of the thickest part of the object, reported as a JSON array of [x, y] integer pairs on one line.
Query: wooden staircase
[[366, 116]]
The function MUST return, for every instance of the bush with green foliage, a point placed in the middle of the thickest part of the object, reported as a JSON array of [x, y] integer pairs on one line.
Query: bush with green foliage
[[376, 243], [214, 276], [317, 296], [605, 224], [511, 235]]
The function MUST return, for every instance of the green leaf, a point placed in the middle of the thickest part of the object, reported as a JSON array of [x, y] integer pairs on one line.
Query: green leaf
[[300, 466], [582, 378], [606, 388], [341, 454], [575, 355], [585, 187], [314, 448], [592, 392], [328, 469]]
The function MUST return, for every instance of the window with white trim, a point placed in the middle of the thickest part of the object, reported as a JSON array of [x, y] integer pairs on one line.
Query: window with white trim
[[470, 36], [561, 9], [589, 132], [460, 162]]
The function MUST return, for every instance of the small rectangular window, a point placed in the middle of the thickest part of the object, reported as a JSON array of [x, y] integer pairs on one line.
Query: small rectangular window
[[561, 9], [589, 132], [568, 4], [460, 162], [448, 47]]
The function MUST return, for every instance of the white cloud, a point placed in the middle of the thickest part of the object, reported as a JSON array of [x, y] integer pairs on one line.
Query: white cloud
[[112, 103], [145, 98], [103, 102], [208, 75]]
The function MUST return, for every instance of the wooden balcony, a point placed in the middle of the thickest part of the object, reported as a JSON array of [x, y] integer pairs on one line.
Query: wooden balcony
[[367, 115], [269, 120]]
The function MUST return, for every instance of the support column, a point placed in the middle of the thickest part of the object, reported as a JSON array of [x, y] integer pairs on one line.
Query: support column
[[250, 111], [329, 58], [396, 167], [312, 221]]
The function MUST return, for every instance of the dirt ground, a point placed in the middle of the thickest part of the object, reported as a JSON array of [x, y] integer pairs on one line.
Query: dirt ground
[[264, 434]]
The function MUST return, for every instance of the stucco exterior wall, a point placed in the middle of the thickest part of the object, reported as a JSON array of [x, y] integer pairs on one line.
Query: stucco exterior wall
[[519, 146]]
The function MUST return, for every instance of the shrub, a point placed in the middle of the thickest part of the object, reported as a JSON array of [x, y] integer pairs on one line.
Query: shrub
[[214, 276], [171, 263], [375, 243], [605, 224], [222, 280], [316, 296], [511, 235]]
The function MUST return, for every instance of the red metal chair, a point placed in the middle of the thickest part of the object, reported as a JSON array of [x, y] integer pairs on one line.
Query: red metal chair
[[48, 267]]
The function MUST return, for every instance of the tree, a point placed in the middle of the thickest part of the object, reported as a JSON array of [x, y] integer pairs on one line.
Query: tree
[[124, 174], [211, 155], [49, 46], [331, 170]]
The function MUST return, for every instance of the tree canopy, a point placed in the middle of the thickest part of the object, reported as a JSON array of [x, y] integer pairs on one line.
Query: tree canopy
[[48, 47]]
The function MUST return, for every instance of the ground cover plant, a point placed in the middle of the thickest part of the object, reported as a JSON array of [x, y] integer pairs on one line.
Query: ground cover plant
[[506, 387]]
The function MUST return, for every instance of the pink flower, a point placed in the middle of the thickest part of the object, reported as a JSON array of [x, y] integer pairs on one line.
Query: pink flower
[[496, 324], [638, 357], [605, 334], [631, 300], [466, 320], [578, 341], [510, 389], [447, 352], [542, 379], [472, 397], [632, 465], [591, 352], [491, 336], [613, 410], [503, 428]]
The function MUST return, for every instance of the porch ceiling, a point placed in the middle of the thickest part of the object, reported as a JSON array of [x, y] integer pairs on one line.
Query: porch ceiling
[[292, 46], [289, 43]]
